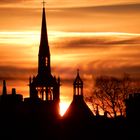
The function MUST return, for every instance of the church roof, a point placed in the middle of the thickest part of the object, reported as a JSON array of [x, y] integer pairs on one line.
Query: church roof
[[78, 110]]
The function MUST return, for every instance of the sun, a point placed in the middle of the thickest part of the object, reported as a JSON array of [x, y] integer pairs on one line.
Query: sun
[[63, 107]]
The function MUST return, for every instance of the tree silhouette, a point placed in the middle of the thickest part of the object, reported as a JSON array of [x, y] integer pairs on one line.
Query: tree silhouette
[[125, 88], [109, 94]]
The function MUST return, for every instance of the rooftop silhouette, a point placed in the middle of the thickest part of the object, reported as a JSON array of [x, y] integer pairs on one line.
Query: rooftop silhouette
[[78, 109], [38, 117]]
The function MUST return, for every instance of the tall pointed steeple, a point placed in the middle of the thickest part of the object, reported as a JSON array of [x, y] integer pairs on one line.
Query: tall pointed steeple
[[44, 51], [45, 86]]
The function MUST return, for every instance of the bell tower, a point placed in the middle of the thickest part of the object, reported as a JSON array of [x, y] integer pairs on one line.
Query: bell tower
[[78, 86], [44, 86], [78, 111]]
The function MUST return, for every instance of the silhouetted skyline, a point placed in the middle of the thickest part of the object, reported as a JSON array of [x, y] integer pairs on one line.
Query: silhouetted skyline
[[37, 116], [100, 38]]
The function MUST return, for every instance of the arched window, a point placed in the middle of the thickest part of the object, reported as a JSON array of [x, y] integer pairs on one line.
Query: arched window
[[78, 85], [50, 93]]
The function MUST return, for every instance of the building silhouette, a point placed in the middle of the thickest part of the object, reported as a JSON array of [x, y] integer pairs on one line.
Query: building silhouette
[[42, 105], [78, 110], [44, 87], [37, 117], [133, 107], [8, 100]]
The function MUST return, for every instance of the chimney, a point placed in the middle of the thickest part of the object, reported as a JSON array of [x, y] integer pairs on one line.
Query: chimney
[[4, 91], [13, 91]]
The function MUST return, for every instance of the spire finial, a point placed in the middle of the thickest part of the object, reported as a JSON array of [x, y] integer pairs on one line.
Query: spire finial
[[43, 3]]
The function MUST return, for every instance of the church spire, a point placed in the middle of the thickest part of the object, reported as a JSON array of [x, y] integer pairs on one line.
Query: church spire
[[44, 45], [45, 86], [44, 51]]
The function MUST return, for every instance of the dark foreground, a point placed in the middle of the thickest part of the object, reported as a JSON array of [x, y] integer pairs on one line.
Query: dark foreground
[[26, 126]]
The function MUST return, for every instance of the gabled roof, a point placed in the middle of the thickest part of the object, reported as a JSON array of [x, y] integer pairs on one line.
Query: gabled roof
[[78, 110]]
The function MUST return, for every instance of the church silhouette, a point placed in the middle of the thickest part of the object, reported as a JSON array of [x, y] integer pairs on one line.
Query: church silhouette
[[38, 116], [45, 88], [39, 113]]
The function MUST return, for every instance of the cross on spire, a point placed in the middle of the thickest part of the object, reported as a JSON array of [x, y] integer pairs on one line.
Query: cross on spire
[[44, 3]]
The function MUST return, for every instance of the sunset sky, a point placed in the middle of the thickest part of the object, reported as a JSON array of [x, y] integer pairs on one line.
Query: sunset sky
[[95, 36]]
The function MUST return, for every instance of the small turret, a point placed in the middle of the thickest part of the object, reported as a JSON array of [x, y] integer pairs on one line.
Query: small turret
[[4, 91], [78, 85], [78, 111]]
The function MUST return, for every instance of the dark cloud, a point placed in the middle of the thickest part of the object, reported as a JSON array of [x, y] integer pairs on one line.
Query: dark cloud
[[12, 73], [119, 8], [98, 67], [16, 73], [66, 74], [113, 67], [67, 81], [20, 11], [130, 41], [113, 18], [11, 1], [96, 42], [64, 12]]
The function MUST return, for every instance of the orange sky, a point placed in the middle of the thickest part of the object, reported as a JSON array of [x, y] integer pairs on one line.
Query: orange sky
[[98, 37]]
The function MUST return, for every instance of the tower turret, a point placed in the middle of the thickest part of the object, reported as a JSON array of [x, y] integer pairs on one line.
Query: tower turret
[[78, 85], [78, 111], [4, 90]]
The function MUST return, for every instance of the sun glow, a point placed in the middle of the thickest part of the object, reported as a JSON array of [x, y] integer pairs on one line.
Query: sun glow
[[63, 107]]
